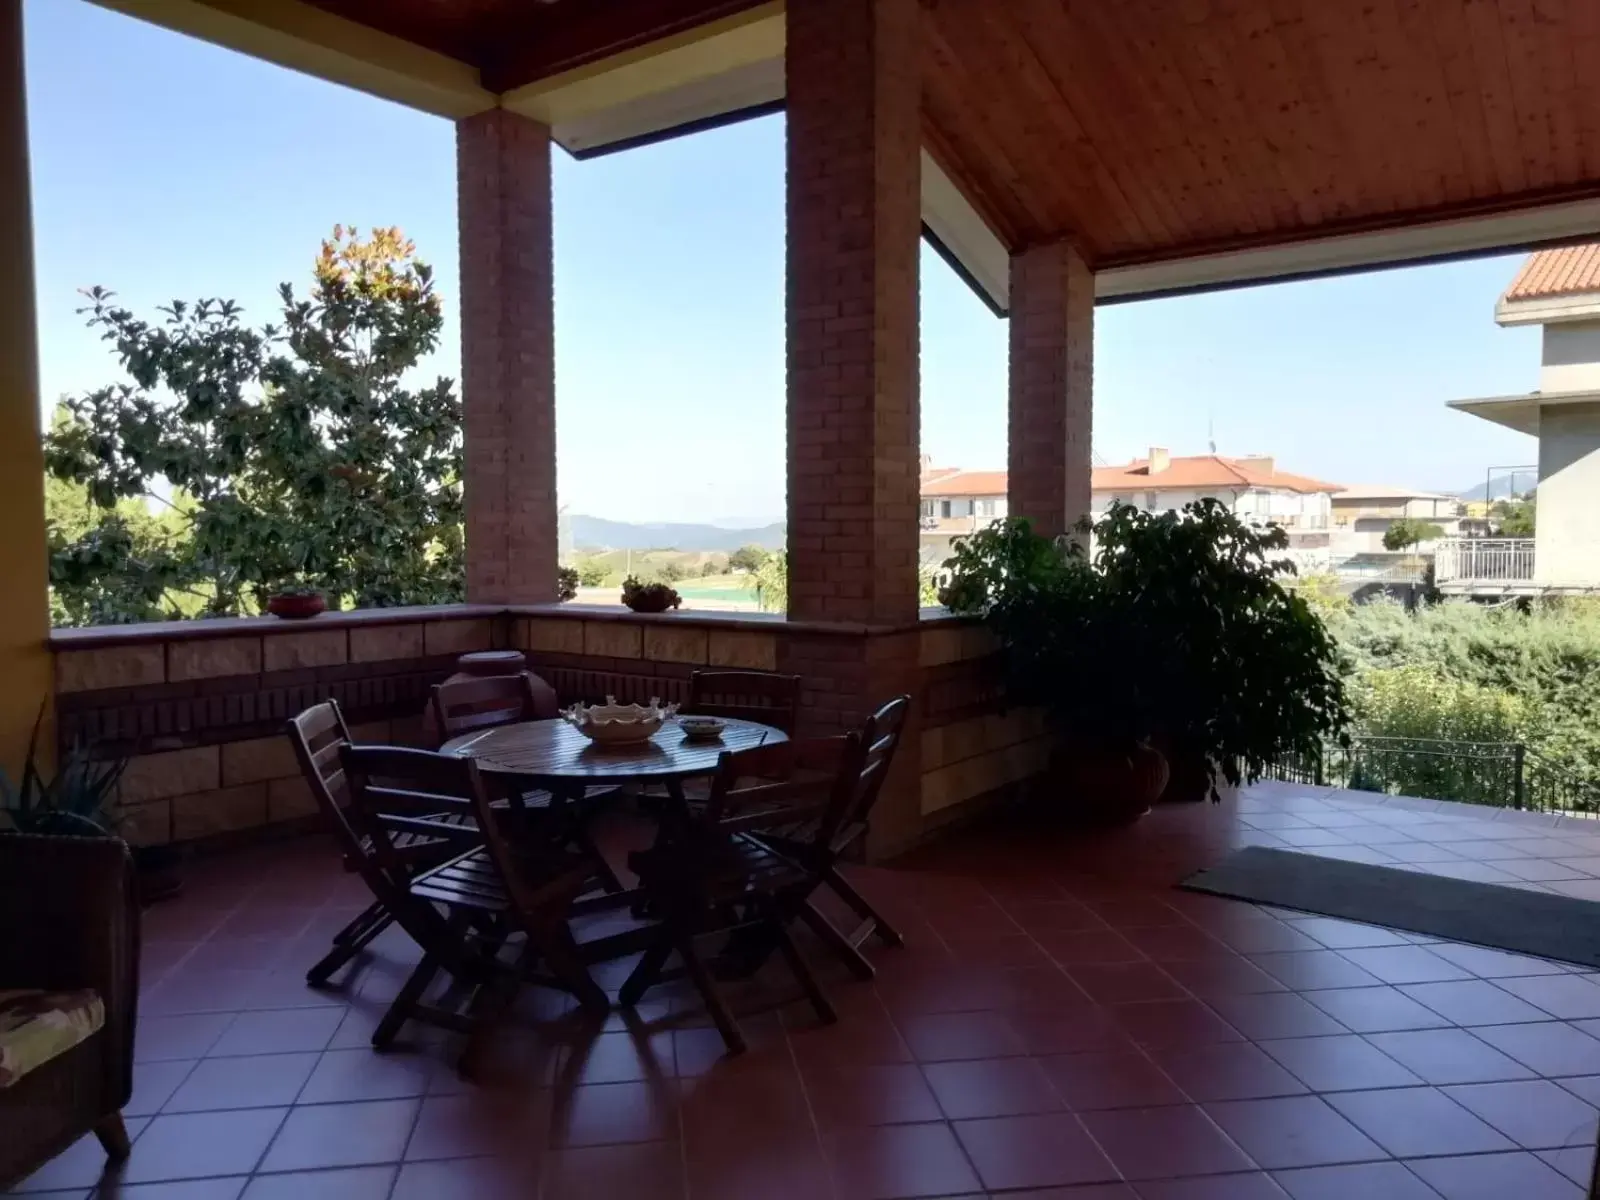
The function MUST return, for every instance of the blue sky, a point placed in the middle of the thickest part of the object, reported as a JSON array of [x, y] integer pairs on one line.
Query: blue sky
[[167, 168]]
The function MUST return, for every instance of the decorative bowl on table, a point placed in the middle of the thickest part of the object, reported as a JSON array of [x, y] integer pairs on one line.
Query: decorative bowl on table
[[701, 729], [613, 724]]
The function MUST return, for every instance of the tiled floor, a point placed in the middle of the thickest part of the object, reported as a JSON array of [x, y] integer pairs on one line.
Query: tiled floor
[[1062, 1024]]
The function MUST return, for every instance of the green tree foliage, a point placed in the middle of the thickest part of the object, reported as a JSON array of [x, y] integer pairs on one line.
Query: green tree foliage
[[671, 572], [1408, 532], [1515, 517], [592, 572], [748, 558], [1547, 660], [289, 455], [770, 582]]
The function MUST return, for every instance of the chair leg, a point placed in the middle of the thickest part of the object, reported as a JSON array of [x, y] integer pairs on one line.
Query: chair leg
[[349, 942], [644, 974], [837, 942], [560, 951], [808, 982], [404, 1003], [113, 1135], [720, 1016], [886, 932]]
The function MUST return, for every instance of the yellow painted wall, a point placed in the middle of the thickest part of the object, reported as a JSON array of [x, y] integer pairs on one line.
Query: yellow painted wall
[[24, 604]]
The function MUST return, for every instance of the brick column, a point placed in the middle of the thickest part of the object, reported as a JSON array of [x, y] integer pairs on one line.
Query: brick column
[[1052, 386], [854, 212], [507, 357]]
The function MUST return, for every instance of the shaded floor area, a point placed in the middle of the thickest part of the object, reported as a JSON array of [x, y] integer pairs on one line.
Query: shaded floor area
[[1062, 1024]]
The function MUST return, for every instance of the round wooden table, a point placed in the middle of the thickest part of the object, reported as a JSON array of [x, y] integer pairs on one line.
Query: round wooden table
[[554, 755]]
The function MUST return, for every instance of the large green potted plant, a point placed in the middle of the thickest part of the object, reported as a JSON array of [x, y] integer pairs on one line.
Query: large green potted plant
[[1175, 635], [1247, 670], [1064, 647]]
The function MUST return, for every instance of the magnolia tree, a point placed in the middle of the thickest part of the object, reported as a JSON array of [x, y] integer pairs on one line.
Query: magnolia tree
[[234, 462]]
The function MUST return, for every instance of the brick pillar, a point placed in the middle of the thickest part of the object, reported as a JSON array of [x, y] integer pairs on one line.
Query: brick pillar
[[507, 357], [24, 608], [854, 212], [1052, 386]]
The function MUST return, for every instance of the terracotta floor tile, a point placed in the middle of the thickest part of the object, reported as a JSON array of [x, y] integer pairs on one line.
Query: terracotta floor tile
[[1411, 1122], [1162, 1024], [467, 1179], [1118, 1079], [1495, 964], [727, 1107], [1376, 1010], [1568, 997], [481, 1124], [1051, 1150], [258, 1081], [1231, 1071], [994, 1087], [1575, 1162], [1266, 937], [897, 1161], [1078, 947], [1357, 1181], [1255, 1186], [154, 1083], [640, 1171], [1293, 1131], [342, 1075], [1473, 1002], [1073, 1031], [1495, 1177], [603, 1113], [781, 1166], [342, 1135], [1306, 970], [189, 1036], [1165, 1143], [1120, 983], [1534, 1113], [279, 1031], [1233, 975], [940, 1037], [1441, 1056], [1275, 1015], [890, 1094], [76, 1167], [1341, 1063], [194, 1145], [1404, 964], [190, 1189], [349, 1183], [1177, 943]]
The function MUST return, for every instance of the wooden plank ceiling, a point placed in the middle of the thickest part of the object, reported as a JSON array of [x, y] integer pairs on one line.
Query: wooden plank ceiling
[[1153, 130]]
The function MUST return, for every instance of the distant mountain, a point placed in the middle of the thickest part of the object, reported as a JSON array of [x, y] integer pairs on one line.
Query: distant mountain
[[596, 533], [1502, 486]]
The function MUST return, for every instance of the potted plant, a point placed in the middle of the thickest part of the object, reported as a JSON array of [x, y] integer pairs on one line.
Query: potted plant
[[1060, 637], [1175, 637], [649, 597], [296, 603], [80, 801]]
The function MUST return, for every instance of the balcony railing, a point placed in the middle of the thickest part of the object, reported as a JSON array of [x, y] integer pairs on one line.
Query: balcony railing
[[1483, 560]]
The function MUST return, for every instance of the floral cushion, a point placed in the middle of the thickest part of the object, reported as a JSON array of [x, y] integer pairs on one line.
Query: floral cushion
[[36, 1026]]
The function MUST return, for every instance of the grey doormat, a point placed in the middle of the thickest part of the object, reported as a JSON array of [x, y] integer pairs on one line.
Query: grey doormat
[[1457, 910]]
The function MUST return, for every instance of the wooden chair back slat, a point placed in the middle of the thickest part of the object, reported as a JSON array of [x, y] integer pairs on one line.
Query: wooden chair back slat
[[760, 696], [468, 705], [318, 736], [798, 784], [880, 738]]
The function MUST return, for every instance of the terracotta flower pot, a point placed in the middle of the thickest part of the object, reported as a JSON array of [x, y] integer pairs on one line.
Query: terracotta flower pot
[[651, 604], [1191, 774], [1101, 787], [296, 606]]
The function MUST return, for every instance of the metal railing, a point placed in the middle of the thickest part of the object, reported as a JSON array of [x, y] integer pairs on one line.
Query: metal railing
[[1497, 774], [1486, 560]]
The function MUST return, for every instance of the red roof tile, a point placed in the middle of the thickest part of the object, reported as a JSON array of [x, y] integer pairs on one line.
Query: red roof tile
[[1187, 474], [1565, 271]]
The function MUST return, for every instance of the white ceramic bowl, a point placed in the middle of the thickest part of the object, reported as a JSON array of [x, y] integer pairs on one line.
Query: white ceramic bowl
[[701, 728], [615, 724]]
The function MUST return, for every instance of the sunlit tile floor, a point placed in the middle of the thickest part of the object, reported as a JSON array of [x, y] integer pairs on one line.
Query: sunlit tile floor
[[1061, 1024]]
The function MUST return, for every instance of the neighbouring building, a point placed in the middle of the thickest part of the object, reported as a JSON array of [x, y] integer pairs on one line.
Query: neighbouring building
[[1362, 516], [1558, 290], [957, 502]]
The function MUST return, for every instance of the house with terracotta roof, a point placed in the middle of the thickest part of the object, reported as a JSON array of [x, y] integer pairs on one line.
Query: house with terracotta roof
[[1558, 290], [957, 502], [1362, 515]]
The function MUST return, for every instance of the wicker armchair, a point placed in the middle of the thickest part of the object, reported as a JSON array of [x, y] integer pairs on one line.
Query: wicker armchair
[[69, 920]]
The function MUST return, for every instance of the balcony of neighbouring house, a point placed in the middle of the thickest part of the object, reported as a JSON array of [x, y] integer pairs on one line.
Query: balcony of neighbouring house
[[1485, 566]]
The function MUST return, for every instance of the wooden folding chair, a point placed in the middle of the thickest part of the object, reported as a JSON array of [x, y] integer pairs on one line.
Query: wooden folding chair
[[880, 737], [721, 878], [747, 696], [317, 735], [464, 706]]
